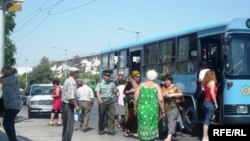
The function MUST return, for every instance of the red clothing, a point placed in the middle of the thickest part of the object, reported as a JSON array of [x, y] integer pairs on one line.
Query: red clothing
[[207, 91], [57, 100]]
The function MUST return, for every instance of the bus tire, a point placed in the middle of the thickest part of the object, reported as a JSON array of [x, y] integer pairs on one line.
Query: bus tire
[[189, 119]]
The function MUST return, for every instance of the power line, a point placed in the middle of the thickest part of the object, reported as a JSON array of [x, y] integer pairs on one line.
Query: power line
[[34, 11], [39, 11], [32, 29], [73, 8]]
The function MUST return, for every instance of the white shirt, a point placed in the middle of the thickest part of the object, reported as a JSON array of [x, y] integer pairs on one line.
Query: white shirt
[[121, 94], [84, 93], [202, 74]]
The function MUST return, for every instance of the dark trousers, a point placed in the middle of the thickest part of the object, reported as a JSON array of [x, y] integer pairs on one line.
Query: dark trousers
[[9, 123], [68, 121], [109, 108]]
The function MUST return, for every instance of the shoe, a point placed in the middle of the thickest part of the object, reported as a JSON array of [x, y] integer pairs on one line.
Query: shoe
[[125, 134], [59, 124], [111, 133], [101, 133], [135, 135]]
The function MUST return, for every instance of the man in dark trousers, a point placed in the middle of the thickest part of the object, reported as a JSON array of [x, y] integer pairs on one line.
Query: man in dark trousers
[[105, 91], [69, 103]]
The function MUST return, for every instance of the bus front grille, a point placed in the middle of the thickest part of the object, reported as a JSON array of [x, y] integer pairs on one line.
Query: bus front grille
[[229, 109]]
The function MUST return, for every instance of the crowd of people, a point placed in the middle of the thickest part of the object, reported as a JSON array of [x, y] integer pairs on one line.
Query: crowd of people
[[139, 105]]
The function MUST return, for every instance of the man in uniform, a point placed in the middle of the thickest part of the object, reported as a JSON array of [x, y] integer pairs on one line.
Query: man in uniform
[[105, 91]]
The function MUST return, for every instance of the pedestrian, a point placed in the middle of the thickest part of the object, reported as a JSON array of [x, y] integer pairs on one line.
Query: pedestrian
[[119, 78], [57, 103], [210, 102], [105, 91], [120, 103], [12, 100], [148, 100], [131, 87], [69, 103], [171, 92], [85, 97], [199, 94]]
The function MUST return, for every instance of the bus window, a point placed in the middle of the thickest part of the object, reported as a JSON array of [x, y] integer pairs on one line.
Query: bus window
[[104, 61], [151, 54], [186, 56], [182, 55], [167, 57], [113, 61], [150, 57], [123, 59]]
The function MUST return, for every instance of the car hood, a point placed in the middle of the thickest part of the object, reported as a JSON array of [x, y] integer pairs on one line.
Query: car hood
[[41, 97]]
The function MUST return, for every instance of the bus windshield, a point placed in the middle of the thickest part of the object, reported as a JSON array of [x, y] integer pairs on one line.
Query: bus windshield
[[238, 53]]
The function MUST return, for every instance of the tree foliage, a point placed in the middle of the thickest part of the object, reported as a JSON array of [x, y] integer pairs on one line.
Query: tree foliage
[[10, 48], [42, 73]]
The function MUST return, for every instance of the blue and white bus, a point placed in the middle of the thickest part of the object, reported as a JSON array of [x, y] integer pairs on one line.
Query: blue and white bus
[[225, 46]]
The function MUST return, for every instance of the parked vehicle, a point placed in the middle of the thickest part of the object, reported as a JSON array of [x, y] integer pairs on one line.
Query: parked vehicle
[[40, 100], [25, 95]]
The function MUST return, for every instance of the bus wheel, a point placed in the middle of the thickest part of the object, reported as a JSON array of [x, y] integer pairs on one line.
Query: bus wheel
[[189, 118]]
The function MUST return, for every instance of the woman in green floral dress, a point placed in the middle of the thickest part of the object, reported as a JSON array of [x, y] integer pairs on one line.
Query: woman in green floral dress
[[147, 100]]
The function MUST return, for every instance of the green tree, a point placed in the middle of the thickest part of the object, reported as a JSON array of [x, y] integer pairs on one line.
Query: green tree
[[42, 73], [10, 48]]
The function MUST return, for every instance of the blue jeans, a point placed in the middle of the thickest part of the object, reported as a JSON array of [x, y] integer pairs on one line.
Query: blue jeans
[[209, 112]]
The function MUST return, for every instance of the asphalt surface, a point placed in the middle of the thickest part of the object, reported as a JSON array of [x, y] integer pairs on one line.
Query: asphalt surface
[[37, 129]]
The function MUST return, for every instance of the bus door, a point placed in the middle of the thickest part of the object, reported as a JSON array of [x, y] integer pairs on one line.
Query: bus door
[[210, 53], [135, 60]]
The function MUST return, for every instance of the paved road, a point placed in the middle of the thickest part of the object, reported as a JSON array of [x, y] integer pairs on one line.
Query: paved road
[[36, 129]]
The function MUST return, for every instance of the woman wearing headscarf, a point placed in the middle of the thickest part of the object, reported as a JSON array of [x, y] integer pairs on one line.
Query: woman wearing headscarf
[[132, 85]]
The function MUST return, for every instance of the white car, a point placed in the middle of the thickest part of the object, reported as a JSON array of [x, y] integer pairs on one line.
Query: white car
[[40, 100]]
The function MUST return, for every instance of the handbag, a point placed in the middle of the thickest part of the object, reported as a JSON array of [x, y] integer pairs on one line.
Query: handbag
[[163, 125]]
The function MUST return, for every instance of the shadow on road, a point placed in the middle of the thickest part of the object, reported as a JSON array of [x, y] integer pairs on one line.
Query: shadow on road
[[3, 137]]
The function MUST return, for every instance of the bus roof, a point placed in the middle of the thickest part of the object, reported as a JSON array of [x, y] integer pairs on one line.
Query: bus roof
[[166, 36]]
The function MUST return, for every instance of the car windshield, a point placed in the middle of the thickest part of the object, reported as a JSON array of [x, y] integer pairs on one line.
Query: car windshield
[[238, 52], [42, 90]]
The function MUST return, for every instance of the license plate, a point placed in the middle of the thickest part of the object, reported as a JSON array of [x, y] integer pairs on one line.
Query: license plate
[[46, 109]]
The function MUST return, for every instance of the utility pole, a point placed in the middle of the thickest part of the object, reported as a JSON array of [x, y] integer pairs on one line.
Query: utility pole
[[2, 32], [13, 6], [26, 73], [65, 59]]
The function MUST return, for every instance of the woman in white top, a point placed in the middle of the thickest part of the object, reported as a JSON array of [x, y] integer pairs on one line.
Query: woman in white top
[[120, 109]]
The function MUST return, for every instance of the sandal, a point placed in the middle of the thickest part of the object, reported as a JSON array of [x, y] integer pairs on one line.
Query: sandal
[[59, 124], [50, 124]]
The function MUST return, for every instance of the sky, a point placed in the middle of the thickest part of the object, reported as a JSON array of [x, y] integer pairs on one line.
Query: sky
[[84, 27]]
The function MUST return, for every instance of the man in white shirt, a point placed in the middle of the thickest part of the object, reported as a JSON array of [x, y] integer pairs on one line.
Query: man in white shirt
[[85, 97]]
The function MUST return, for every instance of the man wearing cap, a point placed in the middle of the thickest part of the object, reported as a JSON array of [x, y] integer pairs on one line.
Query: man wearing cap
[[69, 103], [105, 91]]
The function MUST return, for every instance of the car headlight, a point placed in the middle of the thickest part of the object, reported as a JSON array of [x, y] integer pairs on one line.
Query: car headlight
[[34, 103], [241, 109]]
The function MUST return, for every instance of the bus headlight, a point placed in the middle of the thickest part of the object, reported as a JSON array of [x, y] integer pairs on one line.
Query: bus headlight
[[248, 23], [241, 109]]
